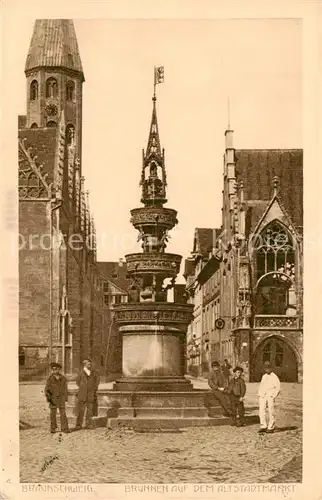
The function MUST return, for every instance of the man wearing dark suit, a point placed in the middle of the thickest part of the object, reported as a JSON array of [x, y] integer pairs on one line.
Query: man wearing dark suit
[[56, 393], [87, 381], [216, 383]]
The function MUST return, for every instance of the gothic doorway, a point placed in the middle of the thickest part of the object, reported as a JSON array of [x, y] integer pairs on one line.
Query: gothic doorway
[[280, 355]]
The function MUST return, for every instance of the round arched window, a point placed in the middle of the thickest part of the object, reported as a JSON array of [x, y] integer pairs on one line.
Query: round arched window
[[34, 90], [70, 90], [51, 87]]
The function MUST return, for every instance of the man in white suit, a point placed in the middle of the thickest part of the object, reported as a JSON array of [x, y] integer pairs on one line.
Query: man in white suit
[[268, 390]]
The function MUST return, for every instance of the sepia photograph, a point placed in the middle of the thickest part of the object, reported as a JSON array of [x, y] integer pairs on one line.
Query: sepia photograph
[[160, 244]]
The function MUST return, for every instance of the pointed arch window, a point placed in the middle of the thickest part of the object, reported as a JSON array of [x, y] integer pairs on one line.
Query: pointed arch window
[[275, 270], [34, 125], [34, 90], [70, 134], [70, 90], [275, 251], [51, 87], [51, 124]]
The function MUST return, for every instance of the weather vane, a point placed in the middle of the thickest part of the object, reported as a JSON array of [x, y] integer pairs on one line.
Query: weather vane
[[158, 77]]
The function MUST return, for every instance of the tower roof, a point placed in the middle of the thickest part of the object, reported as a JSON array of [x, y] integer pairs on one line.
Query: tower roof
[[54, 44]]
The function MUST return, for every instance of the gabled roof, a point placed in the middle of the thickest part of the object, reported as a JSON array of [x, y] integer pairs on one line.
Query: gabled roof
[[203, 240], [54, 44], [257, 168], [274, 211], [189, 267], [115, 273]]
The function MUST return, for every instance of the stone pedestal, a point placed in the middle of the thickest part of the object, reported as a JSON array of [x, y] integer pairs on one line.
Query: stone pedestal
[[153, 336]]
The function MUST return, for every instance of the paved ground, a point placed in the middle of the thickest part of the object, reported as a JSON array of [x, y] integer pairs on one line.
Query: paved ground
[[217, 454]]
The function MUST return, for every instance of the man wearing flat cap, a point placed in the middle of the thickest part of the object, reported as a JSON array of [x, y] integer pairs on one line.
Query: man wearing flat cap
[[87, 381], [56, 393]]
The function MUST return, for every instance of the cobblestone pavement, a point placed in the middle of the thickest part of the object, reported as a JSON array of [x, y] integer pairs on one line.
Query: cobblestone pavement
[[215, 454]]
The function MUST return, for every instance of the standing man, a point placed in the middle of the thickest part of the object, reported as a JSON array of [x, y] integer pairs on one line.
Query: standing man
[[226, 367], [87, 381], [56, 393], [237, 391], [268, 390], [216, 383]]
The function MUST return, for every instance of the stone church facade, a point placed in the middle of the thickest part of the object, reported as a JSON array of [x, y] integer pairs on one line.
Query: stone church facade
[[62, 314], [249, 272]]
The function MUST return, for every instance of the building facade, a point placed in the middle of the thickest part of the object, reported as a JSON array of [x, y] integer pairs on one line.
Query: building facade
[[61, 315], [250, 276], [115, 291]]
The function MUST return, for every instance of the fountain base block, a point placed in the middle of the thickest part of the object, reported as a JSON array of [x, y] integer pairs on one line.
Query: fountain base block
[[143, 410], [153, 384]]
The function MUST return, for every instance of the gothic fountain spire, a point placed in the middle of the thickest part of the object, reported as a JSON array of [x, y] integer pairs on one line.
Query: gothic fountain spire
[[153, 177]]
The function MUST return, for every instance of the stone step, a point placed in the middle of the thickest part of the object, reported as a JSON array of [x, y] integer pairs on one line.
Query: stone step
[[173, 423], [165, 423], [163, 412], [147, 411], [142, 423], [99, 421]]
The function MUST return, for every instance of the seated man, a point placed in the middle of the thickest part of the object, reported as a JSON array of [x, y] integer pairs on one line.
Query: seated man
[[216, 383]]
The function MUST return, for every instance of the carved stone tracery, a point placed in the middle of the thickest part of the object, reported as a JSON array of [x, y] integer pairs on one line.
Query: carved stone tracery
[[32, 178]]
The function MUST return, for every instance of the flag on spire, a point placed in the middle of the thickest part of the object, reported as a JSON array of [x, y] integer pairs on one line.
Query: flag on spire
[[158, 75]]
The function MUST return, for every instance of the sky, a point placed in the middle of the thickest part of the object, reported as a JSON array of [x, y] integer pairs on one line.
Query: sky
[[255, 63]]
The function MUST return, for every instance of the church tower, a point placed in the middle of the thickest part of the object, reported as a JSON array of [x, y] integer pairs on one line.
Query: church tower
[[55, 79]]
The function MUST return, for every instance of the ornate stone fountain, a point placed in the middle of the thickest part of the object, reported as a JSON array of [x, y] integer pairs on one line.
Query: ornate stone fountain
[[153, 329], [153, 391]]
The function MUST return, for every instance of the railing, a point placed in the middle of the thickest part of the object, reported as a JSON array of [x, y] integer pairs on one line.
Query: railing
[[277, 321]]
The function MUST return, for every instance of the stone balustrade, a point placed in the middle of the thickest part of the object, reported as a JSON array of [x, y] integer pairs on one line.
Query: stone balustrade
[[277, 321]]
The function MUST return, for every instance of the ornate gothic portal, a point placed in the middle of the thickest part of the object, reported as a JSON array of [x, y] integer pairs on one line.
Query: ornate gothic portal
[[280, 355], [153, 329]]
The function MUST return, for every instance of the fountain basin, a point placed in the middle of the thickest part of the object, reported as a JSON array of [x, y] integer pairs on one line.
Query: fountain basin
[[153, 262], [157, 313]]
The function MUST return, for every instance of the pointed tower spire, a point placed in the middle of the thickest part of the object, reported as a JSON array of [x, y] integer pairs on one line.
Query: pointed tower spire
[[153, 177], [154, 145], [54, 45]]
